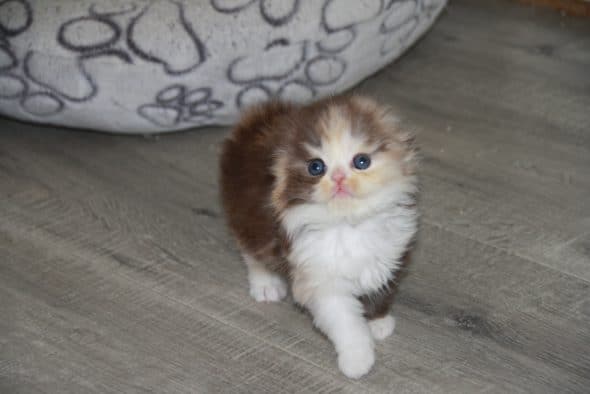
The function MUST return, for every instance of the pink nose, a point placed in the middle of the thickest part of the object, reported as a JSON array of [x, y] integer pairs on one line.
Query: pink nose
[[338, 175]]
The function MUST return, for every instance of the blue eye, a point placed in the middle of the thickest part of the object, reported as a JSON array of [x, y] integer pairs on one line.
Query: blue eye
[[316, 167], [362, 161]]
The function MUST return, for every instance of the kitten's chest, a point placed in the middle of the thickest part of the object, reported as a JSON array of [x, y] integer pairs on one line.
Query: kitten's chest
[[366, 254]]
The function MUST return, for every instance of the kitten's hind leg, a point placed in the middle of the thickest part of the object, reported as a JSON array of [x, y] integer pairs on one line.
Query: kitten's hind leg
[[382, 327], [265, 285], [376, 310]]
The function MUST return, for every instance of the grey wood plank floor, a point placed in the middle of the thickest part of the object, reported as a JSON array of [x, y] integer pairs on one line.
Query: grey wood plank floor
[[117, 273]]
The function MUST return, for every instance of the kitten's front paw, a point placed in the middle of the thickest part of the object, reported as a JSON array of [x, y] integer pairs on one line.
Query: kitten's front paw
[[355, 363], [267, 288], [383, 327]]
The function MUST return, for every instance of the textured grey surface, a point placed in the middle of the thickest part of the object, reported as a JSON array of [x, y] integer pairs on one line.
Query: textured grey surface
[[117, 274], [149, 66]]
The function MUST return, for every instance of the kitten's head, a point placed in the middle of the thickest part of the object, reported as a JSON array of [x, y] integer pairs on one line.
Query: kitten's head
[[346, 156]]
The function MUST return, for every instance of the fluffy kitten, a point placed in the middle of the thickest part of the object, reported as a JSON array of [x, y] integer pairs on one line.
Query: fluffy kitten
[[321, 198]]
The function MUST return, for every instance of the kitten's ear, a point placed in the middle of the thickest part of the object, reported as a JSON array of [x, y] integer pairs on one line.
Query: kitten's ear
[[384, 115], [407, 138], [402, 137], [394, 126], [364, 103], [411, 158], [391, 126]]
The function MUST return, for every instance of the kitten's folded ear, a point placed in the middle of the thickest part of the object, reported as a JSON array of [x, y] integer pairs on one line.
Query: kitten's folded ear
[[399, 134], [365, 103], [408, 139], [387, 118]]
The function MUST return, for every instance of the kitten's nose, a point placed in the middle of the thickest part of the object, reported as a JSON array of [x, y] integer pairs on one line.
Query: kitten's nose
[[338, 175]]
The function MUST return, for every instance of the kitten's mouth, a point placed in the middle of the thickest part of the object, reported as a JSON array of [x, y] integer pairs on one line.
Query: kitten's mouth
[[341, 191]]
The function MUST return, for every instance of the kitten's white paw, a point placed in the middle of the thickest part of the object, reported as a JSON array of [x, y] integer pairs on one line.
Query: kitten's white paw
[[383, 327], [355, 363], [267, 287]]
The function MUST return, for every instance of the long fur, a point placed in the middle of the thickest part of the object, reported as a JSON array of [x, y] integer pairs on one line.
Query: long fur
[[338, 253]]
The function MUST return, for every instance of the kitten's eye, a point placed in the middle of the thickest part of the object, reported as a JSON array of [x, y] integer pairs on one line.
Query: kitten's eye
[[316, 167], [362, 161]]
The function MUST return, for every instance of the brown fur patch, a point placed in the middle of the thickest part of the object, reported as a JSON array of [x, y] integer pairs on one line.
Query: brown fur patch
[[378, 304], [246, 180], [264, 164]]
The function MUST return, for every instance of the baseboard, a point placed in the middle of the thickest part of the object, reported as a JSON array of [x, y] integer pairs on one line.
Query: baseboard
[[569, 7]]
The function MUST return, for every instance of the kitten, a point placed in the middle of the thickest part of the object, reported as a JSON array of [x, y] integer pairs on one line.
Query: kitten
[[321, 198]]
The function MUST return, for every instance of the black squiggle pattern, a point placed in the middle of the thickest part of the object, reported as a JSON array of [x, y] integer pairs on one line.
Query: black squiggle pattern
[[160, 115], [12, 60], [329, 61], [197, 96], [324, 46], [390, 4], [54, 89], [260, 77], [325, 25], [274, 20], [205, 108], [229, 10], [256, 87], [279, 42], [176, 103], [5, 93], [101, 45], [429, 9], [264, 8], [106, 14], [397, 34], [385, 27], [121, 55], [27, 102], [395, 29], [199, 46], [300, 84], [28, 18], [171, 94], [81, 68]]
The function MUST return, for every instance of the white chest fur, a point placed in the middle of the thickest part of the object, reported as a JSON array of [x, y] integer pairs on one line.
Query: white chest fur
[[361, 257]]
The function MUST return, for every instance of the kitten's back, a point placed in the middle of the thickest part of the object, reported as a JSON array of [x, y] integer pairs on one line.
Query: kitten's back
[[246, 175]]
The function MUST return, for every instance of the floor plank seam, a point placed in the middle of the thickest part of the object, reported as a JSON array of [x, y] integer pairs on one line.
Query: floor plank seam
[[145, 287], [505, 251]]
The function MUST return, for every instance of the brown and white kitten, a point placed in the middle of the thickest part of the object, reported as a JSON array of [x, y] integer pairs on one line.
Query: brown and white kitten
[[321, 198]]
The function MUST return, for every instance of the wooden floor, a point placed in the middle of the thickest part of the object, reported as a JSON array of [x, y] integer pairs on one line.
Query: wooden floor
[[117, 273]]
